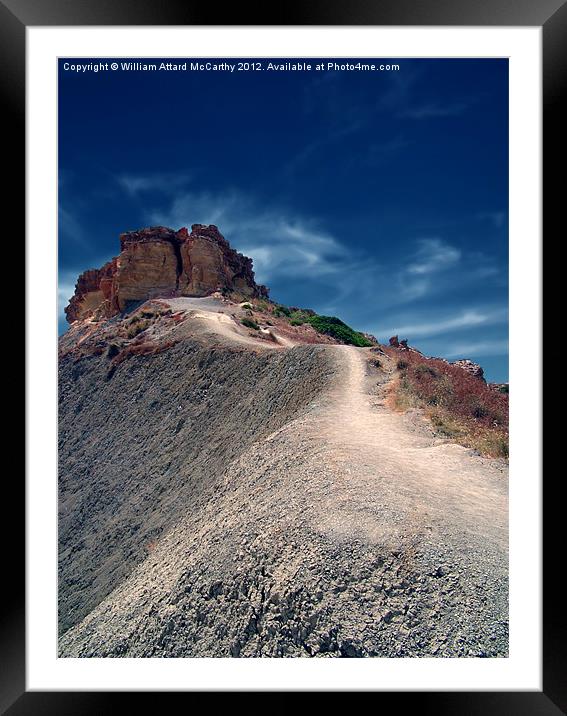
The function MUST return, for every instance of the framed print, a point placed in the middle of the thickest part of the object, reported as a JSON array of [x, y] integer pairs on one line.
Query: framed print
[[282, 430]]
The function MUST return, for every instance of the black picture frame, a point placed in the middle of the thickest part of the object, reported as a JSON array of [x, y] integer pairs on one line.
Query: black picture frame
[[15, 16]]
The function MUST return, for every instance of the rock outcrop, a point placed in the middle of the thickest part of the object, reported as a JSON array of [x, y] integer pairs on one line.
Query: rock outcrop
[[499, 387], [158, 261], [473, 368], [93, 290]]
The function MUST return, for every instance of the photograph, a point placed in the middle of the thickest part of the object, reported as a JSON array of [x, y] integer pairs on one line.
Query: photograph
[[283, 378], [282, 304], [283, 314]]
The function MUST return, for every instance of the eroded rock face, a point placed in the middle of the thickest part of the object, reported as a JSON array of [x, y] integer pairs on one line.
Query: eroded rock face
[[209, 264], [158, 261], [148, 265], [93, 293]]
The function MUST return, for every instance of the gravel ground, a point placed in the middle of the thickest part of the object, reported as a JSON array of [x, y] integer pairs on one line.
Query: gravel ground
[[223, 502]]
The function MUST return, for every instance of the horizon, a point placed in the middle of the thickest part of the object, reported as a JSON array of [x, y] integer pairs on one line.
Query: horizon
[[380, 198]]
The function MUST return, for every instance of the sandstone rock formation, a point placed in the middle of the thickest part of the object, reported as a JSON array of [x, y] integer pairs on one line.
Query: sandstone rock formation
[[158, 261], [93, 290]]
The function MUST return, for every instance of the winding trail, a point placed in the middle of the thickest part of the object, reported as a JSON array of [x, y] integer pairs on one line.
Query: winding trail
[[400, 471]]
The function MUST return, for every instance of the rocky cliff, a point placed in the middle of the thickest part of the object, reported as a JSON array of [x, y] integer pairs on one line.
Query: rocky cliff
[[158, 261]]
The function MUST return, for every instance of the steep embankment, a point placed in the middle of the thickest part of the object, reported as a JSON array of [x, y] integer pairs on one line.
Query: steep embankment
[[148, 447], [230, 502]]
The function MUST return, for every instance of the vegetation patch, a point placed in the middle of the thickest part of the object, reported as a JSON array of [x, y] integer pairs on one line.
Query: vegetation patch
[[143, 319], [298, 316], [280, 311], [249, 323], [460, 406], [326, 325], [263, 305], [334, 327]]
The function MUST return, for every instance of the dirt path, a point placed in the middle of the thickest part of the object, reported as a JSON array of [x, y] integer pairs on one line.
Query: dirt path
[[216, 318], [398, 468]]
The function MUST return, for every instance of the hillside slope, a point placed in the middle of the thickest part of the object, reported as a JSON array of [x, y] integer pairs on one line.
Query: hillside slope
[[232, 496]]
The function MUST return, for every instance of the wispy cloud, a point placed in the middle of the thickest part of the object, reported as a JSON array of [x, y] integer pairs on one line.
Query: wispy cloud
[[280, 245], [426, 270], [464, 320], [286, 246], [71, 229], [433, 255], [135, 184], [479, 349], [433, 110]]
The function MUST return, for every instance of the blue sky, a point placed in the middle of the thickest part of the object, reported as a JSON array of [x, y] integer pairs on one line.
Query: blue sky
[[379, 197]]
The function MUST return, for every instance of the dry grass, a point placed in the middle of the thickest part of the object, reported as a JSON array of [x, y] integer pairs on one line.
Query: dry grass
[[460, 406]]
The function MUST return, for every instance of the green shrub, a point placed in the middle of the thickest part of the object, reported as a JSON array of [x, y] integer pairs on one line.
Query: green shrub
[[262, 305], [249, 323], [334, 327], [282, 311], [299, 316], [246, 307]]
